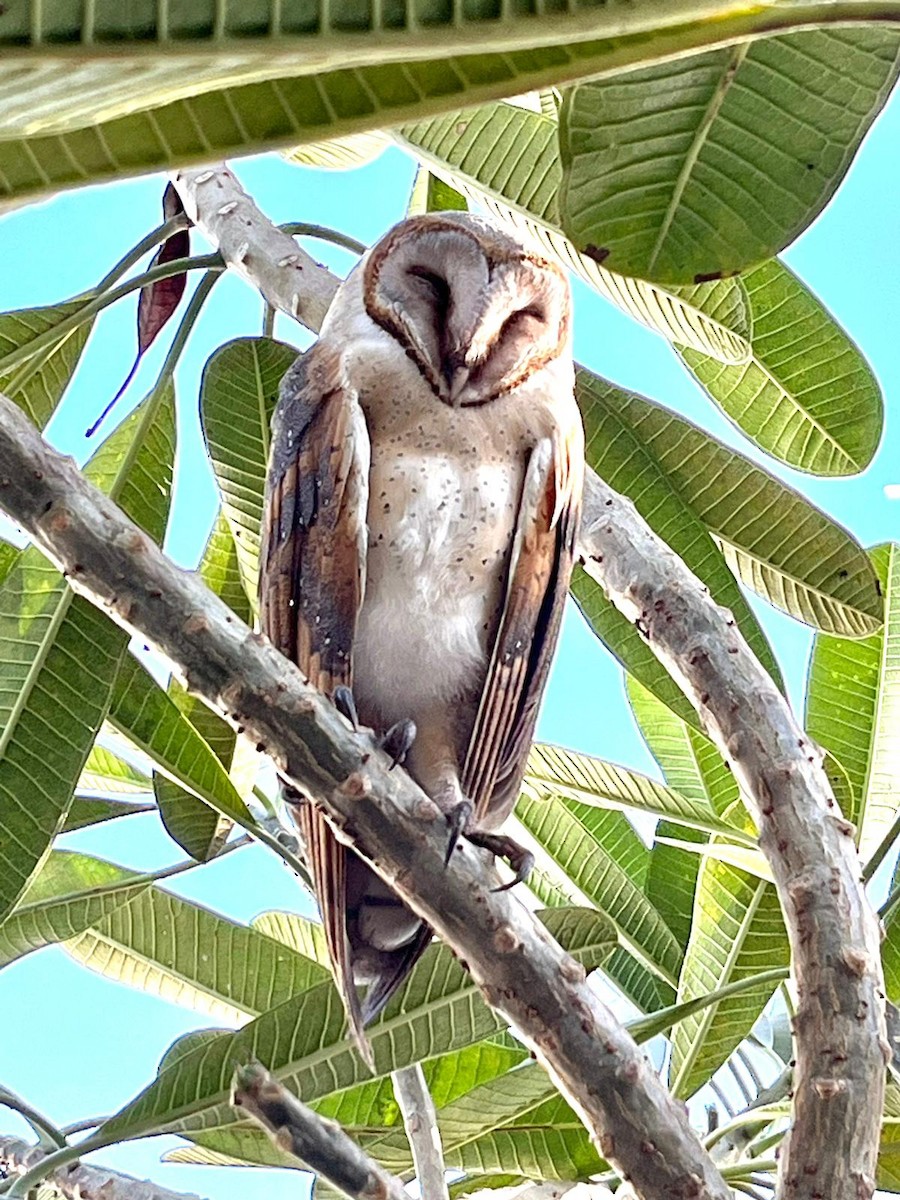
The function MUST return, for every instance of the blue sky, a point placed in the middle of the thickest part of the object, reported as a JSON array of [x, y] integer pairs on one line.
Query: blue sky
[[84, 1046]]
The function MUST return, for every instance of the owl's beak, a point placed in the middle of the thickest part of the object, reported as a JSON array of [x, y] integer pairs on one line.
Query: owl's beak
[[456, 373]]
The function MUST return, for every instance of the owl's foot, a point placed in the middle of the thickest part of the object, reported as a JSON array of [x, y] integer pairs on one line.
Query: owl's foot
[[398, 741], [343, 701], [502, 845], [458, 818]]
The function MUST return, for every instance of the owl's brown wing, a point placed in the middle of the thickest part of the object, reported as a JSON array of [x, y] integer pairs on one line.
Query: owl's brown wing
[[312, 576], [537, 583]]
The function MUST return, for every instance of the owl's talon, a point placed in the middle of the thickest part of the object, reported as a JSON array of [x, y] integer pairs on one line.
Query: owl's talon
[[520, 860], [458, 819], [343, 701], [398, 741]]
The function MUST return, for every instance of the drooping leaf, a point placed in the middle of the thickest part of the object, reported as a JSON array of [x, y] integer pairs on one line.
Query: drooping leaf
[[37, 386], [145, 714], [59, 655], [773, 538], [68, 894], [693, 767], [438, 1010], [237, 398], [666, 176], [195, 958], [806, 396], [738, 931], [197, 828], [853, 709], [506, 157]]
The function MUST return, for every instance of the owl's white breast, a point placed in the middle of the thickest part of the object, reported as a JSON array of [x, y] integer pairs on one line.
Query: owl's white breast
[[443, 501]]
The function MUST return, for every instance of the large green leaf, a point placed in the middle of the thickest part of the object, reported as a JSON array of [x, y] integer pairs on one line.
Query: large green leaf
[[148, 717], [737, 932], [59, 655], [94, 810], [190, 956], [618, 455], [507, 157], [554, 771], [70, 893], [71, 111], [197, 828], [237, 398], [692, 766], [603, 857], [37, 385], [807, 396], [853, 709], [779, 544], [438, 1010], [666, 175]]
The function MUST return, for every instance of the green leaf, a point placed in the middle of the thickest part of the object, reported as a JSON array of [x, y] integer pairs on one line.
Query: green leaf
[[94, 810], [618, 455], [738, 931], [341, 154], [9, 556], [853, 709], [69, 893], [105, 772], [237, 398], [197, 828], [603, 857], [775, 541], [506, 158], [59, 655], [304, 936], [807, 396], [555, 771], [438, 1010], [143, 712], [189, 956], [257, 83], [38, 385], [693, 767], [666, 175], [430, 193]]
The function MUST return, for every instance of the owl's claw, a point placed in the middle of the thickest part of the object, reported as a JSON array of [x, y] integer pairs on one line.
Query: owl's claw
[[458, 819], [398, 741], [343, 701], [521, 861]]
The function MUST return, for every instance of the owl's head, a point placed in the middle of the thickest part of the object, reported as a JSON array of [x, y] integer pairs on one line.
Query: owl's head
[[475, 309]]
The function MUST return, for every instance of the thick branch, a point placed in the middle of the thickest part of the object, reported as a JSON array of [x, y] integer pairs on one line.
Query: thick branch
[[841, 1045], [79, 1182], [322, 1145], [520, 970], [840, 1035], [422, 1133]]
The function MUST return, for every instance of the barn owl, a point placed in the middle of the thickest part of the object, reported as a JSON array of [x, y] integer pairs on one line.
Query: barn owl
[[423, 495]]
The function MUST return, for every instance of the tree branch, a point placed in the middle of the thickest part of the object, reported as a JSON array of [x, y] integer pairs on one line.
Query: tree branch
[[79, 1182], [520, 970], [841, 1045], [322, 1145], [422, 1133]]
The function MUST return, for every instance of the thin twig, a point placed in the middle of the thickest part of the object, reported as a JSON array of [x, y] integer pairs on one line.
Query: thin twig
[[76, 1181], [424, 1137], [42, 1126], [322, 1145]]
